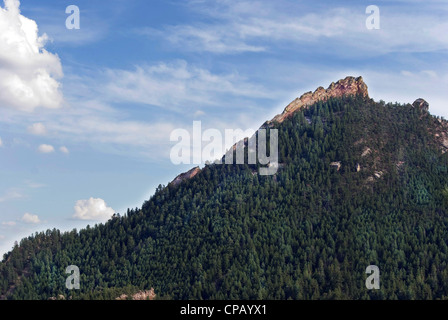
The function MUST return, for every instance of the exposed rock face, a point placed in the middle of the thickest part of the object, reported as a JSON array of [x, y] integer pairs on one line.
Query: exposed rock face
[[185, 176], [349, 86], [445, 144], [421, 104], [442, 136], [366, 152], [141, 295], [337, 165], [378, 174]]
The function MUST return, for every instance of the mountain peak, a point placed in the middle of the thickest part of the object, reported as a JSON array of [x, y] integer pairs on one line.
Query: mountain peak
[[349, 86]]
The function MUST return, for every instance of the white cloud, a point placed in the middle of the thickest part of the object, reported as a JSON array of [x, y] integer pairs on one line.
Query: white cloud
[[64, 149], [176, 85], [11, 194], [34, 185], [254, 26], [30, 218], [28, 73], [9, 223], [199, 113], [203, 38], [45, 148], [92, 116], [1, 142], [92, 209], [242, 28], [103, 130], [37, 129], [173, 86]]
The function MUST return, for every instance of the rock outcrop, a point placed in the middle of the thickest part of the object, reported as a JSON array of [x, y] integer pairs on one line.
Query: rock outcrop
[[337, 165], [421, 104], [141, 295], [185, 176], [442, 135], [350, 86]]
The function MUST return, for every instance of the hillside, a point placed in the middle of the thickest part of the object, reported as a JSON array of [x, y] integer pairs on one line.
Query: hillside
[[360, 183]]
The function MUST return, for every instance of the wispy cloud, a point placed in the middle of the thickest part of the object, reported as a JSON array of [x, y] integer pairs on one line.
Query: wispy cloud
[[176, 84], [258, 26], [202, 37], [130, 133], [9, 223], [96, 115], [11, 194], [34, 185], [64, 149]]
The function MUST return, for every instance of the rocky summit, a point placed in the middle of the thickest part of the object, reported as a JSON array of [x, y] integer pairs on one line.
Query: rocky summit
[[350, 86]]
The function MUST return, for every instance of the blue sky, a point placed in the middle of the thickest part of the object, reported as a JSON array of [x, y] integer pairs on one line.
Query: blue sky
[[86, 115]]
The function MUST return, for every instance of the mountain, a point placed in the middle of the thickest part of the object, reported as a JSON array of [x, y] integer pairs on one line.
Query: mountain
[[359, 183]]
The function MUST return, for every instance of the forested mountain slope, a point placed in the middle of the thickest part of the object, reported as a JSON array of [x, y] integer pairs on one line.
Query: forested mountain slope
[[360, 183]]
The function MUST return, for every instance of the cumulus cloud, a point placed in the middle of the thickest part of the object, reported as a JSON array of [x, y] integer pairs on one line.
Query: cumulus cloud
[[92, 209], [28, 73], [37, 129], [45, 148], [64, 150], [1, 142], [30, 218]]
